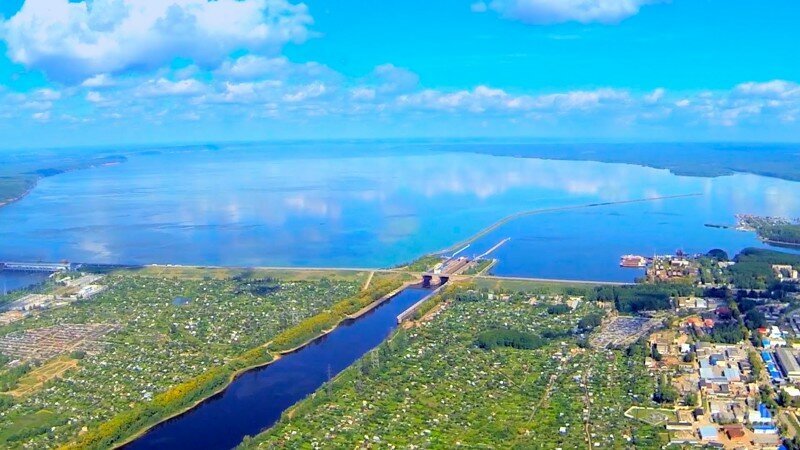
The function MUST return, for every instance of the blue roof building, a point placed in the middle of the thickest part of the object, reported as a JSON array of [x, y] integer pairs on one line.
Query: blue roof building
[[708, 433]]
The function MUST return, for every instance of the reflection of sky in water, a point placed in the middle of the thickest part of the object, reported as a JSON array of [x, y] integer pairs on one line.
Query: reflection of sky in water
[[248, 207]]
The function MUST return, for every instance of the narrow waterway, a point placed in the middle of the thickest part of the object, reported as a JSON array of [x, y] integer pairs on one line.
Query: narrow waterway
[[256, 400]]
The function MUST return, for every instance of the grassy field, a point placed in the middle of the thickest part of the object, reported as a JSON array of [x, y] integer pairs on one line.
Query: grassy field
[[17, 430], [652, 416]]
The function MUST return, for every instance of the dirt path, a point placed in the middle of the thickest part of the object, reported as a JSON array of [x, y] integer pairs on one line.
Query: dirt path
[[369, 280], [588, 404]]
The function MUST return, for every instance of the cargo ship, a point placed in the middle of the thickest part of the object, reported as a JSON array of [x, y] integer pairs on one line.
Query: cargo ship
[[633, 261]]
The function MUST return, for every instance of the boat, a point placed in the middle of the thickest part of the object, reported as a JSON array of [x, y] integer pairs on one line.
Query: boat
[[633, 261]]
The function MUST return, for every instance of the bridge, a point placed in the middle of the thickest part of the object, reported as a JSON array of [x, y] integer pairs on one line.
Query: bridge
[[427, 279]]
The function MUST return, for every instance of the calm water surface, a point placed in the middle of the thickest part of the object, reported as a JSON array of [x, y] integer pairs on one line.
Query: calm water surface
[[376, 207], [10, 281], [257, 399]]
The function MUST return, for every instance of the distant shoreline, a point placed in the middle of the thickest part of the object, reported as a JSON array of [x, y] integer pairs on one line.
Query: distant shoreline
[[19, 197], [37, 175]]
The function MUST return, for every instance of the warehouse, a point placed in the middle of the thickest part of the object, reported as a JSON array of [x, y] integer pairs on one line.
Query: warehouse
[[788, 363]]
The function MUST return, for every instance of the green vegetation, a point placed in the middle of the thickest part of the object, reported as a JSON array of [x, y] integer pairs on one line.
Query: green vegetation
[[711, 272], [163, 357], [11, 376], [727, 333], [718, 254], [643, 297], [423, 264], [499, 337], [170, 402], [753, 268], [559, 308], [328, 319], [590, 321], [784, 233], [479, 267], [777, 230], [432, 387], [665, 392], [431, 303], [757, 364]]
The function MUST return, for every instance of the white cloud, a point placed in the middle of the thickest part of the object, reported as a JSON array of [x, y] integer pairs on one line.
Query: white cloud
[[71, 41], [250, 67], [389, 78], [486, 99], [274, 89], [101, 80], [245, 93], [581, 100], [167, 88], [41, 116], [543, 12], [362, 93], [254, 67], [307, 92], [479, 7], [95, 97], [777, 89], [655, 96]]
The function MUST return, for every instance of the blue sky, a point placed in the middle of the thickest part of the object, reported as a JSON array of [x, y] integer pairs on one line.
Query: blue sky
[[145, 71]]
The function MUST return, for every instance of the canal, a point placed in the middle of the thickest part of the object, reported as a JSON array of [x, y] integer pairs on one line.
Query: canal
[[256, 399]]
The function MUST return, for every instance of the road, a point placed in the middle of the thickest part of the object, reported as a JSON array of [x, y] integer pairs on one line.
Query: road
[[555, 280]]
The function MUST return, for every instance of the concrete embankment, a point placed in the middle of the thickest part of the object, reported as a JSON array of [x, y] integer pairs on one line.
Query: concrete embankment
[[413, 308]]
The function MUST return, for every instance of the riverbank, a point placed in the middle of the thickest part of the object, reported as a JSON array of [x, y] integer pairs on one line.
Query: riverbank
[[275, 356], [353, 316], [376, 303], [431, 304], [233, 377], [257, 400]]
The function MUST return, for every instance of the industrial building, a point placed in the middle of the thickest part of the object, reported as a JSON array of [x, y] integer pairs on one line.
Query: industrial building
[[788, 363], [772, 368]]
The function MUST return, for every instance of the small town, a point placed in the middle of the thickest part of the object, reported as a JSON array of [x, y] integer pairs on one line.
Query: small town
[[725, 359]]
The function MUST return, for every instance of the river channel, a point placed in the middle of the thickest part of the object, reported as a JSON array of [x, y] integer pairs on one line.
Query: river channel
[[256, 399]]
